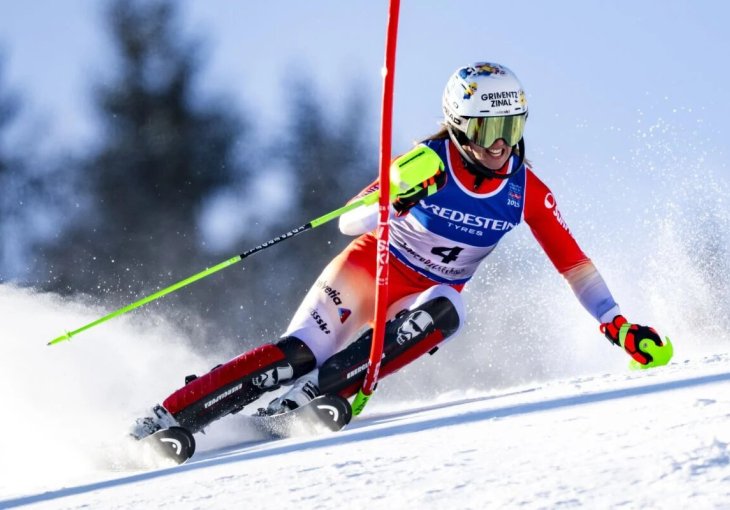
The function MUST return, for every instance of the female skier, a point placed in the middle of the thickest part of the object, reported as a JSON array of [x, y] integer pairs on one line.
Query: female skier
[[438, 240]]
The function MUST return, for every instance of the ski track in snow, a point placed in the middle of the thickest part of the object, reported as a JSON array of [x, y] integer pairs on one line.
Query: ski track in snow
[[653, 439]]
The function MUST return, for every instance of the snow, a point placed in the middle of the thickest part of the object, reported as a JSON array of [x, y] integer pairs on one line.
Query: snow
[[633, 439]]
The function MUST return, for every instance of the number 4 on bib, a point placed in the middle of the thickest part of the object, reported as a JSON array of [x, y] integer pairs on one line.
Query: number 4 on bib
[[447, 254]]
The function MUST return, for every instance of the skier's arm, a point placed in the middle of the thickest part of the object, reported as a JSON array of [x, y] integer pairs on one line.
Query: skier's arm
[[415, 175], [642, 343], [364, 218], [547, 225]]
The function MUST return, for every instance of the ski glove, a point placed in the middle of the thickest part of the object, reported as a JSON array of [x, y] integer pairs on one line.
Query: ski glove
[[405, 201], [641, 342]]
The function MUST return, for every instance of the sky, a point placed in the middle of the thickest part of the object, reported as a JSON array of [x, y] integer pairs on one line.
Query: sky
[[590, 68]]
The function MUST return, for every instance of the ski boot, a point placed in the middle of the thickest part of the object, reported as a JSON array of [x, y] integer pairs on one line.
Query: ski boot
[[160, 419], [304, 390]]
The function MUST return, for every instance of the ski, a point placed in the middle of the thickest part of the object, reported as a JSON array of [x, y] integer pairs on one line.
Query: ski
[[174, 443], [326, 413]]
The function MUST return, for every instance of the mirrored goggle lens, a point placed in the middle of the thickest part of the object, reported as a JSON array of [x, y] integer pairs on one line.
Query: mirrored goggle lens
[[484, 131]]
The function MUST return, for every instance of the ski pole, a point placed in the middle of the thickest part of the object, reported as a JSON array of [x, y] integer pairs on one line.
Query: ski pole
[[406, 173], [226, 263]]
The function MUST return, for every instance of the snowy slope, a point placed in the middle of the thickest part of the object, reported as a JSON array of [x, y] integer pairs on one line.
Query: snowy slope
[[655, 439]]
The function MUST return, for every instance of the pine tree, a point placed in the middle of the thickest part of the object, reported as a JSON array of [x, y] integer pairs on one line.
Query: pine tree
[[37, 195], [163, 151], [10, 168]]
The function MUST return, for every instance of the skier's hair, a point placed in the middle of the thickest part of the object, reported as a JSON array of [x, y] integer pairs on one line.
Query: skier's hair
[[441, 134]]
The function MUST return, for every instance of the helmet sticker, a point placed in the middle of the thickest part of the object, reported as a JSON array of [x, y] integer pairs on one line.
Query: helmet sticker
[[480, 69], [481, 89], [465, 76], [523, 98], [485, 69], [470, 89]]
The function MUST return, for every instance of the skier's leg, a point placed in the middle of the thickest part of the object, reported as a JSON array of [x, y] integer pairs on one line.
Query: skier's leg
[[339, 303], [333, 310], [229, 387], [434, 316]]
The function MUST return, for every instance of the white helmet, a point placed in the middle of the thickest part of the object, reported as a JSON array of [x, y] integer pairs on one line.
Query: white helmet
[[485, 102], [482, 103]]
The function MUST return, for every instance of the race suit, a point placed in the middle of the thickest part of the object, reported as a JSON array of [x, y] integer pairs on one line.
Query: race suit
[[437, 247]]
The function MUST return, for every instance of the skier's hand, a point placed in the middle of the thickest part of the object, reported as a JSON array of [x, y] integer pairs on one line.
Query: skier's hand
[[405, 201], [641, 342]]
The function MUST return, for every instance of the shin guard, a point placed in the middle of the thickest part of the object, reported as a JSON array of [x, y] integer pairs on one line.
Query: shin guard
[[410, 335], [229, 387]]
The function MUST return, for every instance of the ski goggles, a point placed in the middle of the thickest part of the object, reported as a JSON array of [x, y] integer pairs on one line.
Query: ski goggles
[[484, 131]]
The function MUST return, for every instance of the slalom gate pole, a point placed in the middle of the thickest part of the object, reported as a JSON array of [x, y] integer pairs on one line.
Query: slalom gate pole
[[366, 200], [381, 291]]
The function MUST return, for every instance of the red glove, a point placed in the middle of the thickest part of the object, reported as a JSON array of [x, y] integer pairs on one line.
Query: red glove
[[641, 342]]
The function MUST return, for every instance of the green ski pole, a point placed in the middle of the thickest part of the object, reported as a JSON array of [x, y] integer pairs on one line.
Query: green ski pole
[[422, 165], [211, 270]]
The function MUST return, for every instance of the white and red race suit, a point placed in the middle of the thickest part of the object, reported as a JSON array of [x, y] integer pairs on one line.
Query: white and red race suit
[[437, 247]]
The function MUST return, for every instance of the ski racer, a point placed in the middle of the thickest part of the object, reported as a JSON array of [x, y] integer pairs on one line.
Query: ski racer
[[486, 187]]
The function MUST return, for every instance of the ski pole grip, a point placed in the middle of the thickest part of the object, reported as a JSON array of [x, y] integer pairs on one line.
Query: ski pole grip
[[408, 171], [413, 168]]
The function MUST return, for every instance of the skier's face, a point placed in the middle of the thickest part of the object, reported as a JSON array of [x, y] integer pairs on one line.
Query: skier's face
[[493, 157]]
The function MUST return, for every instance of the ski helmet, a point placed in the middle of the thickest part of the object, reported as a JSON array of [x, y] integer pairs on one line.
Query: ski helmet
[[482, 103]]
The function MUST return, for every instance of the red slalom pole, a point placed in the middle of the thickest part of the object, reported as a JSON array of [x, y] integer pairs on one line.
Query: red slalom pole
[[381, 291]]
